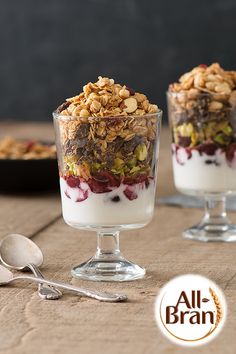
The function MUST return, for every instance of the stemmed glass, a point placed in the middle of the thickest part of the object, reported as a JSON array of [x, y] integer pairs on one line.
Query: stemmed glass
[[108, 169], [204, 158]]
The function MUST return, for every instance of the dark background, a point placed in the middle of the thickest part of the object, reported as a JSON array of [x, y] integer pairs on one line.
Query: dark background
[[50, 48]]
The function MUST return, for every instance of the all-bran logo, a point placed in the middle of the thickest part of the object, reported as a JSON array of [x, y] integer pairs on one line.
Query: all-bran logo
[[190, 310]]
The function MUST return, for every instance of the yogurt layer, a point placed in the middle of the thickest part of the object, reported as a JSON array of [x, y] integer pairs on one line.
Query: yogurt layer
[[110, 208], [203, 173]]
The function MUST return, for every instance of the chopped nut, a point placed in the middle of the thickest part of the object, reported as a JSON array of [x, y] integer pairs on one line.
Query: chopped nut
[[211, 85], [212, 77], [145, 105], [123, 93], [84, 113], [188, 84], [185, 129], [215, 106], [152, 108], [223, 88], [141, 152], [139, 112], [193, 93], [130, 105], [220, 97], [83, 171], [199, 80], [140, 97]]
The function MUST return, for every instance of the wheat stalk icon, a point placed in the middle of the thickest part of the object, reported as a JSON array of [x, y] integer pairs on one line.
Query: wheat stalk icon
[[219, 310]]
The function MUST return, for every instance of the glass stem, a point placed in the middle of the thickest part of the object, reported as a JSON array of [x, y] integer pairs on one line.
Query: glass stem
[[108, 245], [215, 210]]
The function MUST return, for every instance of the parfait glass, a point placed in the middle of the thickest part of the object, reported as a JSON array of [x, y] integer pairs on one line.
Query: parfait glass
[[107, 168], [204, 158]]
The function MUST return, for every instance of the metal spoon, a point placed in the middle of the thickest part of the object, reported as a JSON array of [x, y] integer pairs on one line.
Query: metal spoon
[[6, 277], [20, 253]]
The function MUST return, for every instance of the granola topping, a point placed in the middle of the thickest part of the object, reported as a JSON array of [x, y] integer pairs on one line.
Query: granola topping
[[108, 136], [202, 108], [106, 98]]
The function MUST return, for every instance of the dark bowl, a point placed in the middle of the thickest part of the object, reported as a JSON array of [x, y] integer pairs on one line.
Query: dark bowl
[[28, 175]]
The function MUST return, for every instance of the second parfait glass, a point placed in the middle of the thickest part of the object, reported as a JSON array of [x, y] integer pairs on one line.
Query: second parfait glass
[[204, 157], [108, 172]]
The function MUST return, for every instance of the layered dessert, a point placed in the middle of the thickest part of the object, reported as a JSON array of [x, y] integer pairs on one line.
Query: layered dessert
[[107, 150], [202, 112]]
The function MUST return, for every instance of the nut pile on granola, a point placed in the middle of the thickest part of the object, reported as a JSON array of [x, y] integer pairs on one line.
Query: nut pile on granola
[[202, 109], [106, 98], [11, 148], [107, 135]]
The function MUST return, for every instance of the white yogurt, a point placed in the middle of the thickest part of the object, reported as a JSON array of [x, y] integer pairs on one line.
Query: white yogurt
[[195, 175], [98, 210]]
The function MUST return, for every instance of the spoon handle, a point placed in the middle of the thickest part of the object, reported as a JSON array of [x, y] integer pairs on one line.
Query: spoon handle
[[98, 295], [46, 292]]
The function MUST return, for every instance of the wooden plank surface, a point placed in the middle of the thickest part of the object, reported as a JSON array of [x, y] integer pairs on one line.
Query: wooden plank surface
[[28, 214], [78, 325]]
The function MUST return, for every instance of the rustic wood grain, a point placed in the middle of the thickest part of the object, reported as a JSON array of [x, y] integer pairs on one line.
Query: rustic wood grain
[[78, 325], [28, 214]]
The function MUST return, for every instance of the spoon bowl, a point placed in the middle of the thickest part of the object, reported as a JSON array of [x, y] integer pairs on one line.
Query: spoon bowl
[[20, 253], [16, 251], [5, 275]]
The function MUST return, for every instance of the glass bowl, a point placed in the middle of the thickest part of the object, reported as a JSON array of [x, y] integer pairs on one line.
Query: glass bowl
[[204, 158], [108, 169]]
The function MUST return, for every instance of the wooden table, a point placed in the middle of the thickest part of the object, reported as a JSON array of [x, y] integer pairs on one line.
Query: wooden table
[[79, 325]]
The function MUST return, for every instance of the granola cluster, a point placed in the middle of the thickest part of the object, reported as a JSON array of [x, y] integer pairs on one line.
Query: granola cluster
[[211, 79], [105, 98], [107, 132], [11, 148], [202, 107]]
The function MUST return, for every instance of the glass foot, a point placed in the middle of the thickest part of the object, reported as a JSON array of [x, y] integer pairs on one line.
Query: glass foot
[[211, 233], [114, 269], [215, 225]]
